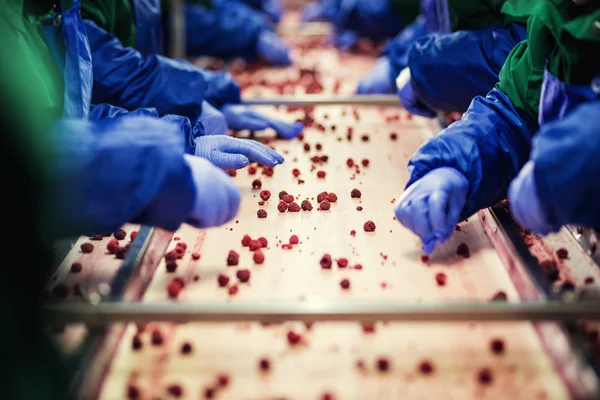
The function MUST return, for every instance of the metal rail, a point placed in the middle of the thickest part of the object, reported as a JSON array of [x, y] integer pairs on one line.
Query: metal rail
[[107, 313], [310, 100]]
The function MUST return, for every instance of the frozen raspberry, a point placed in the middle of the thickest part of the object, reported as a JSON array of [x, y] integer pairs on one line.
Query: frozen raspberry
[[345, 283], [264, 364], [365, 138], [325, 205], [186, 348], [426, 367], [294, 239], [255, 245], [355, 194], [209, 393], [232, 258], [393, 136], [281, 194], [258, 257], [87, 247], [223, 280], [562, 253], [332, 197], [175, 287], [424, 258], [550, 269], [175, 390], [440, 278], [342, 262], [261, 213], [352, 233], [365, 162], [306, 205], [321, 174], [263, 242], [120, 234], [383, 364], [171, 266], [252, 170], [195, 256], [324, 158], [288, 198], [322, 196], [293, 338], [306, 147], [233, 290], [294, 207], [499, 296], [319, 146], [232, 173], [246, 240], [136, 343], [96, 236], [133, 393], [243, 275], [268, 171], [256, 184], [223, 380], [326, 261], [282, 206], [170, 256], [369, 226], [463, 250], [76, 267], [350, 162], [133, 235], [497, 346], [265, 195], [358, 266], [485, 376], [359, 208], [156, 338], [296, 172]]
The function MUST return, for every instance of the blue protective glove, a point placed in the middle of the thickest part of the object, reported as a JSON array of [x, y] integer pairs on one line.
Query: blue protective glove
[[230, 153], [408, 97], [378, 80], [273, 48], [431, 207], [525, 204], [316, 11], [240, 117], [396, 49], [213, 120], [217, 198], [345, 39]]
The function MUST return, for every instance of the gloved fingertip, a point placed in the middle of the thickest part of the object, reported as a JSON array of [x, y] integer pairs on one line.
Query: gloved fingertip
[[428, 247]]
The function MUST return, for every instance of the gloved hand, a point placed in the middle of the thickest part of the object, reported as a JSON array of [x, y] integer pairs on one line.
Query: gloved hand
[[273, 8], [241, 117], [273, 48], [230, 153], [345, 39], [431, 207], [408, 97], [213, 120], [378, 80], [217, 198], [524, 201]]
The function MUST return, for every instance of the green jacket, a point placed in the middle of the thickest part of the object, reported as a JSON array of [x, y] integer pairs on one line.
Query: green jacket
[[560, 35], [476, 14], [114, 16]]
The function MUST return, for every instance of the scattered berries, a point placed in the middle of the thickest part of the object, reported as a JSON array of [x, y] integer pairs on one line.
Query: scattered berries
[[322, 196], [325, 205], [233, 258], [282, 206], [243, 275], [233, 289], [288, 198], [342, 262], [255, 245], [345, 283], [261, 213], [294, 207], [87, 247], [246, 240], [293, 338], [256, 184], [355, 194], [440, 278], [332, 197], [120, 234], [326, 261], [294, 239], [223, 280], [306, 205], [265, 195], [258, 257], [263, 242], [369, 226], [112, 246]]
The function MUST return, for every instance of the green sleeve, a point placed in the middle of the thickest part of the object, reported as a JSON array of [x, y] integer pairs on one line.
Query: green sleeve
[[114, 16], [408, 10]]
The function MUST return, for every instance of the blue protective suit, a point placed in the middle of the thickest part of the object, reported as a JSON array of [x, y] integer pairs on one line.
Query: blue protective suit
[[273, 8], [449, 70], [226, 29], [111, 171]]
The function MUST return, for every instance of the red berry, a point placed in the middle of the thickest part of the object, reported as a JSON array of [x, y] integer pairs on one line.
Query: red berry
[[268, 171], [209, 393], [294, 239], [332, 197], [369, 226], [288, 198], [263, 242], [195, 256], [258, 257], [485, 376], [186, 348], [156, 338], [232, 173], [282, 206], [326, 261], [497, 346], [133, 393], [350, 162], [120, 234], [306, 205], [261, 213], [359, 208], [265, 195], [463, 250], [233, 290], [358, 266], [345, 283], [243, 275], [76, 267], [342, 262], [133, 235], [426, 367], [325, 205], [393, 136], [223, 380], [355, 194], [256, 184], [252, 170], [175, 287], [281, 194], [294, 207], [136, 343], [264, 364], [112, 246], [383, 364], [233, 258], [321, 174], [255, 245], [293, 338], [87, 247], [352, 233], [424, 258], [365, 138], [171, 266], [562, 253], [306, 147], [440, 278], [365, 162], [500, 296], [175, 390], [223, 280], [296, 172], [550, 268]]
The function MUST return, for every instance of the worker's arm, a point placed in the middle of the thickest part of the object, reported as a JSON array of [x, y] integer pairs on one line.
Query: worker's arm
[[560, 185], [126, 78]]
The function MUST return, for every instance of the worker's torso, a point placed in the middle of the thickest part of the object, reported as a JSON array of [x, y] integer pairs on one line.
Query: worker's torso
[[563, 44], [136, 23]]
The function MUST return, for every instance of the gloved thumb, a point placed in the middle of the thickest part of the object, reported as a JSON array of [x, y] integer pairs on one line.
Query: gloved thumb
[[229, 161], [287, 131]]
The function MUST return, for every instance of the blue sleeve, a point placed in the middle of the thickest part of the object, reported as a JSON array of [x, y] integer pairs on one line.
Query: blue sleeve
[[273, 8], [105, 111], [489, 145], [397, 48], [226, 30], [449, 70], [110, 172], [125, 78], [566, 156]]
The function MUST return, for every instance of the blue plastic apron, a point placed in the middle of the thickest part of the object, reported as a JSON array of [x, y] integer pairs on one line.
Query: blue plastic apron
[[149, 38], [67, 39]]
